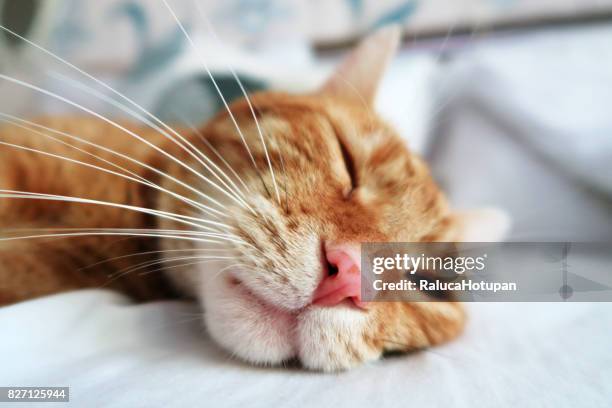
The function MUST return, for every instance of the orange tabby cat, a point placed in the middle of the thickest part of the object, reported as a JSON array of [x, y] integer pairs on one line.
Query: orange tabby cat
[[266, 238]]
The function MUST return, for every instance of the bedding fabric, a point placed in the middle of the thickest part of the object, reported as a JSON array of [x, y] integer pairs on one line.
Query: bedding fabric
[[115, 354]]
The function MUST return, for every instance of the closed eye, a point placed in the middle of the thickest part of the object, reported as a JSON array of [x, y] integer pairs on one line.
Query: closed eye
[[349, 164]]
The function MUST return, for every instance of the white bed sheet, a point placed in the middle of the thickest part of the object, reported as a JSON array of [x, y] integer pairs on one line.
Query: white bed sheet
[[116, 354]]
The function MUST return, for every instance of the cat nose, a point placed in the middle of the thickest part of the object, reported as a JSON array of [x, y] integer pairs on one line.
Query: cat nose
[[343, 279]]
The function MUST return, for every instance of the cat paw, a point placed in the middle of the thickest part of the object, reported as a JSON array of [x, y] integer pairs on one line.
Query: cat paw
[[334, 339], [343, 337]]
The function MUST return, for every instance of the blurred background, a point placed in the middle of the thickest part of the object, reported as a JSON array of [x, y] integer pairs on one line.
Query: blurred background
[[509, 100]]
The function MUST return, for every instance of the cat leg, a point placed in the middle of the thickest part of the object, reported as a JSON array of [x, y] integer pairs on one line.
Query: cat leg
[[28, 270], [33, 268], [404, 326], [336, 339]]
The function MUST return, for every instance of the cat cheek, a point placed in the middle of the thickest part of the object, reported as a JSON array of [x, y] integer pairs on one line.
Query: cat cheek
[[245, 327]]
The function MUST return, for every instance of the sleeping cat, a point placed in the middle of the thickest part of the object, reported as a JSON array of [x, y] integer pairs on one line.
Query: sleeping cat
[[264, 231]]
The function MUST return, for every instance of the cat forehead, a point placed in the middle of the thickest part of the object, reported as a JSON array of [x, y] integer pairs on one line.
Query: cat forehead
[[331, 115], [313, 126]]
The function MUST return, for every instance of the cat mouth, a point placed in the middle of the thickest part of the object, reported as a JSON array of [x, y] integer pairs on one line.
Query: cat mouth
[[243, 290]]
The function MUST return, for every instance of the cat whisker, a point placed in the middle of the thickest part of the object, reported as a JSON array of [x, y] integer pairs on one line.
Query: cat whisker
[[209, 145], [224, 269], [142, 179], [129, 234], [147, 264], [126, 233], [124, 129], [158, 213], [282, 163], [120, 274], [218, 90], [93, 166], [231, 237], [89, 90], [366, 105], [444, 43], [246, 97], [143, 253], [457, 90], [111, 89], [182, 265], [155, 230], [4, 118]]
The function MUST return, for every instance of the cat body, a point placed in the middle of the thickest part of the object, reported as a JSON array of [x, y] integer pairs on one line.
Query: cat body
[[36, 267], [265, 230]]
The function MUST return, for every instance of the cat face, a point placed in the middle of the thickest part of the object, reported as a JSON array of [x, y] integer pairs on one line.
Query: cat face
[[337, 176]]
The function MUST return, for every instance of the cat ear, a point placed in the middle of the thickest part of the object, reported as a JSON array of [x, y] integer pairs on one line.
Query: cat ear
[[359, 75], [485, 225]]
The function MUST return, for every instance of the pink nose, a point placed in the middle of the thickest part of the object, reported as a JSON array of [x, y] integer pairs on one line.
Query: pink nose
[[343, 280]]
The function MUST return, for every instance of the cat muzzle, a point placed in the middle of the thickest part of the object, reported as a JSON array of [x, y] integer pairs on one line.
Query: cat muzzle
[[343, 278]]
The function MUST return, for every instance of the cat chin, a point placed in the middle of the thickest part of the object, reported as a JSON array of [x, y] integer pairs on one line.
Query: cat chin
[[324, 339], [245, 325]]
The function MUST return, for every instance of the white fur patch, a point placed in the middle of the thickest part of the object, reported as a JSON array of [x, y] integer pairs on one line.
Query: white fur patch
[[333, 339]]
